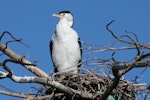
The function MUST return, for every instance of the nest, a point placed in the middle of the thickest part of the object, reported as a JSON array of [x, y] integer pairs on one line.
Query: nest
[[92, 83]]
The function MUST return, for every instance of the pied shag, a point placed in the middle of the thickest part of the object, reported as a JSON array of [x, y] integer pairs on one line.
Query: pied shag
[[65, 45]]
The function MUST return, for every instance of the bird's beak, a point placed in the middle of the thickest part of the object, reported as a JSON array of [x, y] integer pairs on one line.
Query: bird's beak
[[57, 15]]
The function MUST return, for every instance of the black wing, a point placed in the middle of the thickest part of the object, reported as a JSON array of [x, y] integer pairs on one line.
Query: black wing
[[51, 48], [80, 46], [51, 51]]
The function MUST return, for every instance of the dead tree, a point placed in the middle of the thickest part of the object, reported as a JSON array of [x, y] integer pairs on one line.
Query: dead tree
[[100, 82]]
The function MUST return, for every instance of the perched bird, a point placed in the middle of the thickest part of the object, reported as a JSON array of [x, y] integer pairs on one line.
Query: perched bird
[[65, 45]]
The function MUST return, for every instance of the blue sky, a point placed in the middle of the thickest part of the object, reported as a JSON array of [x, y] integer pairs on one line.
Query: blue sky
[[32, 21]]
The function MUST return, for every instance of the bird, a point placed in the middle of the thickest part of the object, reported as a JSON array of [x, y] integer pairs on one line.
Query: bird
[[65, 45]]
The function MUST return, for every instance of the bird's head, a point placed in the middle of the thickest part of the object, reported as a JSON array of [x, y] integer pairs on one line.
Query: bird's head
[[65, 15]]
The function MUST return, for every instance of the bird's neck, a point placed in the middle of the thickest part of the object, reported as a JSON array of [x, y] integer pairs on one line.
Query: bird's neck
[[65, 22], [63, 27]]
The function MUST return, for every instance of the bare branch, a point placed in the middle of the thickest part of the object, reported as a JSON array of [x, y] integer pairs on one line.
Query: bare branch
[[3, 75], [100, 82], [25, 96], [113, 34], [20, 95], [17, 58], [14, 39], [48, 81], [139, 87]]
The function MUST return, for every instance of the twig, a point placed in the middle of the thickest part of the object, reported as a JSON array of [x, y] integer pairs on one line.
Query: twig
[[14, 39]]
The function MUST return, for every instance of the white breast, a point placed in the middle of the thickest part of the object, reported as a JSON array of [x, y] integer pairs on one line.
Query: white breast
[[66, 51]]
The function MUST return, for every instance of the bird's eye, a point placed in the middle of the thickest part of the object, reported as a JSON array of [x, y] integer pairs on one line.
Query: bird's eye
[[62, 14]]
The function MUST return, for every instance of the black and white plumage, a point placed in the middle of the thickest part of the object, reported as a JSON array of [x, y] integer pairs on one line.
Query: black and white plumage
[[65, 46]]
